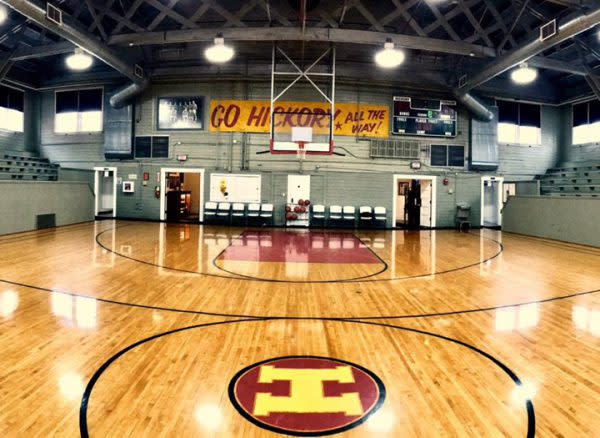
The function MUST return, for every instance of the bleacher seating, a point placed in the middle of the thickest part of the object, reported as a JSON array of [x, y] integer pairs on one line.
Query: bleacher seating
[[20, 165], [580, 179]]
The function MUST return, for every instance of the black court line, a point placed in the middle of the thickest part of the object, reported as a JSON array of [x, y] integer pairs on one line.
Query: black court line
[[85, 399], [274, 280], [257, 279], [339, 318]]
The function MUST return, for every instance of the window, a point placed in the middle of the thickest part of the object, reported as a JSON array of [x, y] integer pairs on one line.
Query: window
[[519, 123], [586, 122], [453, 156], [152, 147], [78, 111], [11, 109]]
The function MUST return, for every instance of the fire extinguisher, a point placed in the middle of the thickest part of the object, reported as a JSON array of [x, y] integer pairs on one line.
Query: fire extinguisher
[[157, 192]]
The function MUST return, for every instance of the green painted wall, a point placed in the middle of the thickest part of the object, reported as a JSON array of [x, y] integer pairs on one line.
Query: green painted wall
[[22, 201], [567, 219]]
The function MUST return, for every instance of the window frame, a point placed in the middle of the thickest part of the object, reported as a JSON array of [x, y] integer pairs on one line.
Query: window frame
[[519, 126], [101, 131], [588, 143], [152, 157], [13, 131], [448, 146]]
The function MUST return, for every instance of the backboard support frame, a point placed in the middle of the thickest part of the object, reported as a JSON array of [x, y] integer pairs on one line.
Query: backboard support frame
[[306, 74]]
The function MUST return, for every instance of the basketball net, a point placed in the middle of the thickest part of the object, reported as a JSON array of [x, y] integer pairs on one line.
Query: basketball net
[[301, 151]]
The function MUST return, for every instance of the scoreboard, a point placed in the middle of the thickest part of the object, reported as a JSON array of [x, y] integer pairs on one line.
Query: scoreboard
[[427, 117]]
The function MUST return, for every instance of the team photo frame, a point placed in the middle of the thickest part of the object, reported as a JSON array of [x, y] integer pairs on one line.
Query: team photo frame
[[180, 113]]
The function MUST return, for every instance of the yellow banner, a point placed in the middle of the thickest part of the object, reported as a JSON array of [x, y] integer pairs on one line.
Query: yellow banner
[[356, 120]]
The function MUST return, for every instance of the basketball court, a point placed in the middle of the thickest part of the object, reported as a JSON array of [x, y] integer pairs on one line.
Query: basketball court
[[322, 227]]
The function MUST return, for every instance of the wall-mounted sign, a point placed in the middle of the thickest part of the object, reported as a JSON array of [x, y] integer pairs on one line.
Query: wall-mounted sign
[[132, 176], [182, 157], [350, 119], [128, 186]]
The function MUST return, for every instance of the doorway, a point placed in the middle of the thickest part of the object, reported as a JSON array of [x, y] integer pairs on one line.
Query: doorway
[[298, 188], [105, 189], [182, 195], [414, 201], [491, 201]]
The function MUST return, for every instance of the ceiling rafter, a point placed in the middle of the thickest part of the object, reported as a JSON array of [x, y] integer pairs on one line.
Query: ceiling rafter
[[239, 15], [128, 15], [97, 22], [368, 16], [438, 15], [168, 11], [402, 10], [475, 23], [104, 10], [447, 16]]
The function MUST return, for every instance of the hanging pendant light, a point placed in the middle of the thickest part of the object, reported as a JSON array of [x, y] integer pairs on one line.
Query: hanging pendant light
[[389, 57], [79, 61], [219, 53], [523, 74]]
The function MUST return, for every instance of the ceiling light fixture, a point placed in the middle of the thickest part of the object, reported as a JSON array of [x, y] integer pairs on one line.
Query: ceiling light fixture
[[79, 61], [523, 74], [389, 57], [3, 14], [219, 53]]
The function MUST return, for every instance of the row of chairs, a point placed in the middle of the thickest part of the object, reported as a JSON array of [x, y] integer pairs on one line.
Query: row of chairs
[[346, 215], [238, 213]]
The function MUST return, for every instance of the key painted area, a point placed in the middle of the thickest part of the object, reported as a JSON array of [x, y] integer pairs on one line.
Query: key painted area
[[299, 247]]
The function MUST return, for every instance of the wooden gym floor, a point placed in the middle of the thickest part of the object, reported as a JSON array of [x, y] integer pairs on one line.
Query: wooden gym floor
[[119, 328]]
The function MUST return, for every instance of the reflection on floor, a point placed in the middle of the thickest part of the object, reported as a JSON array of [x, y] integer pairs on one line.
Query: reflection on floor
[[298, 247], [122, 313]]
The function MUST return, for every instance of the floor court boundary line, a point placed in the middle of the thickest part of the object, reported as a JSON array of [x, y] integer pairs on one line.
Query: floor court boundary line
[[249, 278], [343, 280], [86, 396], [333, 318]]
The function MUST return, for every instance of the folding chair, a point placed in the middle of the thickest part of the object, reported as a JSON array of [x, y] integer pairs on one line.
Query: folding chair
[[266, 214], [210, 212], [335, 215], [365, 214], [237, 213], [224, 212], [380, 216], [253, 214], [318, 215], [349, 215]]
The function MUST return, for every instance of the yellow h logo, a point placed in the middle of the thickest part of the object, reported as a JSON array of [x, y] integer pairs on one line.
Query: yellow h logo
[[306, 392]]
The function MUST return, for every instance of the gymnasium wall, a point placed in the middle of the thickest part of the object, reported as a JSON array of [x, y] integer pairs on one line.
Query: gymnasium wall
[[566, 219], [22, 201], [29, 139], [353, 178], [570, 152], [525, 161], [347, 188]]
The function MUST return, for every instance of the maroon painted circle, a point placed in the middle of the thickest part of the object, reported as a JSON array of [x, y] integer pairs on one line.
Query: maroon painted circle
[[245, 386]]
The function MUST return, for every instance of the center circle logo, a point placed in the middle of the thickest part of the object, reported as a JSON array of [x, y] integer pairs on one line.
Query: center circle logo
[[306, 395]]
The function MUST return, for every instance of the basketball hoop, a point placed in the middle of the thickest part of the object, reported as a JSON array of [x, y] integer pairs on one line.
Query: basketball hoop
[[301, 151]]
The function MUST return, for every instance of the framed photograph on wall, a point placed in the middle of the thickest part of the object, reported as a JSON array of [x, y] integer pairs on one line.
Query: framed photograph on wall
[[128, 186], [180, 113]]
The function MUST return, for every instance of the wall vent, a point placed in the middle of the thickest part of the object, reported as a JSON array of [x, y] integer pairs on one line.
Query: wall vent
[[397, 149], [54, 14], [548, 30], [45, 221], [139, 71]]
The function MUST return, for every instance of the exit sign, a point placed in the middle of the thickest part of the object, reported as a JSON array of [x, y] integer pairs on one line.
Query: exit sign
[[182, 157]]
